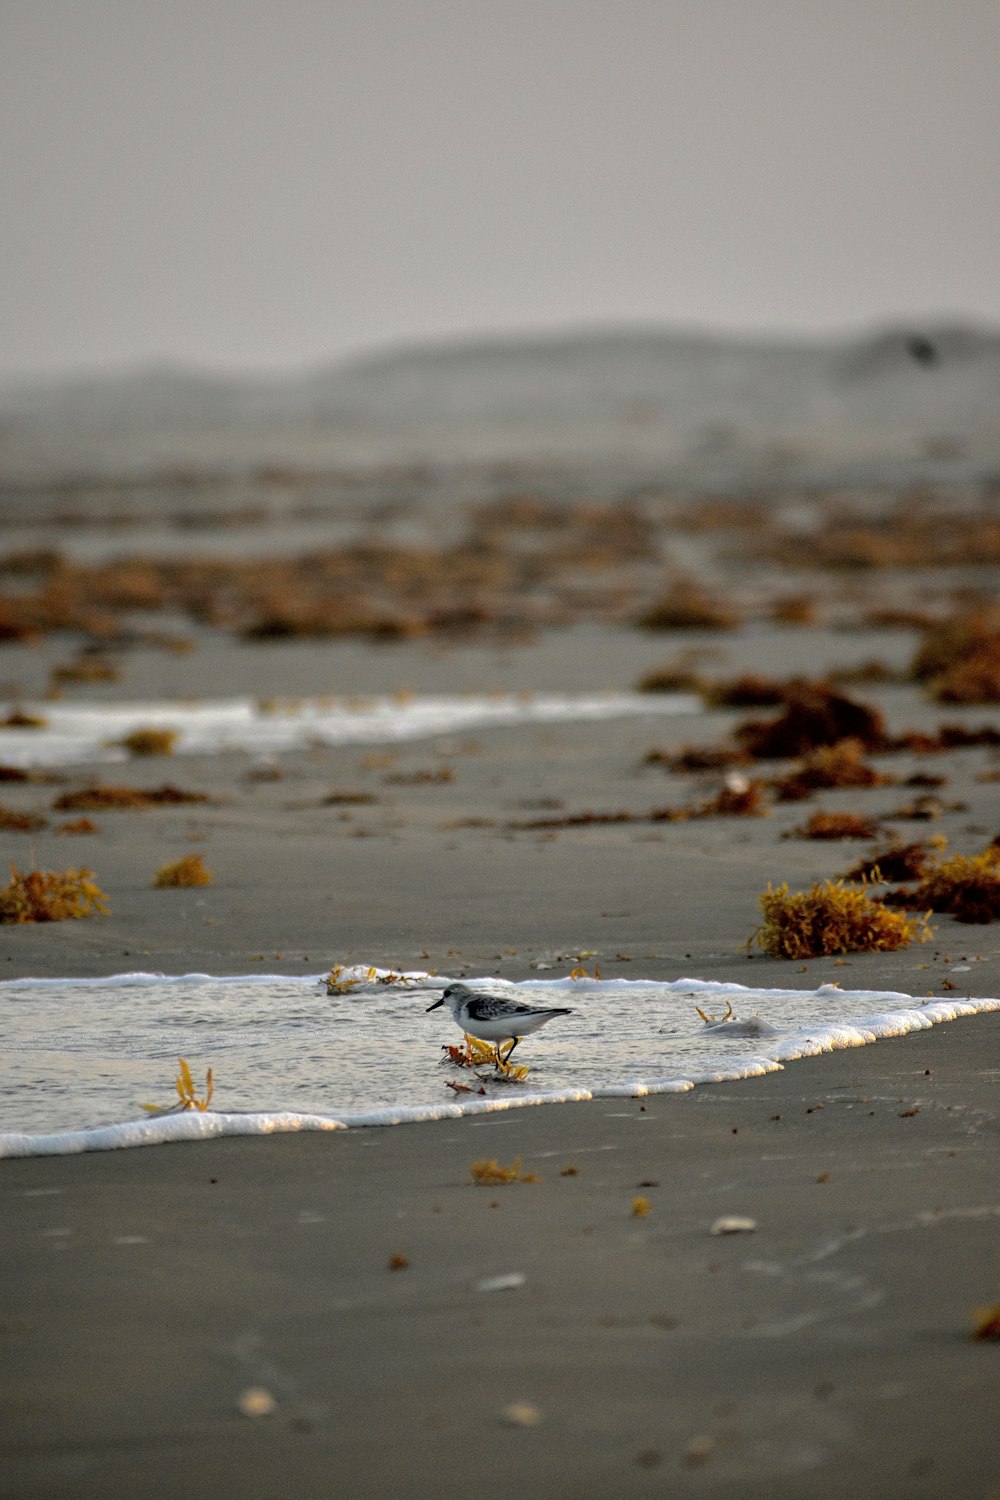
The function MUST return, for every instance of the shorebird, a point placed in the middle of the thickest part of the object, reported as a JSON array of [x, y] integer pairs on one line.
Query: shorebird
[[495, 1017]]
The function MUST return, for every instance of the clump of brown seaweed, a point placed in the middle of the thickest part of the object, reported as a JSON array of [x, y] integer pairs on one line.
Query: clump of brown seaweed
[[986, 1323], [51, 896], [21, 822], [963, 886], [895, 863], [150, 740], [189, 870], [477, 1054], [816, 713], [841, 764], [78, 826], [959, 658], [831, 918], [838, 825], [489, 1173], [101, 798], [687, 606], [186, 1096]]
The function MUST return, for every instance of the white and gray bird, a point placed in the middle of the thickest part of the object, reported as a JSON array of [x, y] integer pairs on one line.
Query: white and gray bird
[[495, 1017]]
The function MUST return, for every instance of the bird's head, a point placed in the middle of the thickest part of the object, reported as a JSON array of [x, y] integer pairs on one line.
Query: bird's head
[[452, 992]]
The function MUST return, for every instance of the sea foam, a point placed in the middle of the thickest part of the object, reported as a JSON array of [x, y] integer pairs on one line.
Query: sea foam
[[73, 733], [289, 1056]]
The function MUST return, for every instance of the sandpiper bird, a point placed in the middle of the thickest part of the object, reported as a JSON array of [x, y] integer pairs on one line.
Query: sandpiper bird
[[495, 1017]]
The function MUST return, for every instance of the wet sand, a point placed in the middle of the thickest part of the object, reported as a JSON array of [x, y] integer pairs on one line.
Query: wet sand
[[436, 868], [826, 1352]]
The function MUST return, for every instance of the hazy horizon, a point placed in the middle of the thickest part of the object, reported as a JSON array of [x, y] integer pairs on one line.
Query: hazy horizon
[[241, 189], [392, 351]]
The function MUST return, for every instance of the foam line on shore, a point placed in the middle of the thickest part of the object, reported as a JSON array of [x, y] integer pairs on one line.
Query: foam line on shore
[[73, 733], [903, 1015]]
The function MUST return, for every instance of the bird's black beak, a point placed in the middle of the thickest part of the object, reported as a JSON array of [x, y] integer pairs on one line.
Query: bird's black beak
[[436, 1004]]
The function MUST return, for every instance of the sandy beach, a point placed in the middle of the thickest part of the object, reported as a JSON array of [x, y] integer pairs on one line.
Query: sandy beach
[[402, 1330], [149, 1291], [504, 497], [350, 1313]]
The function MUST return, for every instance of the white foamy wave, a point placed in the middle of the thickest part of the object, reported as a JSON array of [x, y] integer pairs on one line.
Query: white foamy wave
[[371, 1054], [71, 733], [192, 1125]]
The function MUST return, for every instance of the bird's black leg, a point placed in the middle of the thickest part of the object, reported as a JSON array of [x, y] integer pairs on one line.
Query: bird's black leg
[[513, 1044]]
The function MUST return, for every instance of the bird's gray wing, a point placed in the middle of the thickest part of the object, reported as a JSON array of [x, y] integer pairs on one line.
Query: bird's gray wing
[[491, 1008]]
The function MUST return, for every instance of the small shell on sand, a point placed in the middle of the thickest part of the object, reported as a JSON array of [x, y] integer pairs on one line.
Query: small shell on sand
[[733, 1224], [520, 1414], [256, 1402]]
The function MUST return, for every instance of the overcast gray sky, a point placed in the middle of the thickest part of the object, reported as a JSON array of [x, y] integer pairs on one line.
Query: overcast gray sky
[[265, 183]]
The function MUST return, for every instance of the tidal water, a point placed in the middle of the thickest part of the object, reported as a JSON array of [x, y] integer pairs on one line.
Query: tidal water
[[82, 1054]]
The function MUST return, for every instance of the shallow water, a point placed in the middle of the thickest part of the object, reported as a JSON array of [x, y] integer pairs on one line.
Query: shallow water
[[72, 733], [86, 1053]]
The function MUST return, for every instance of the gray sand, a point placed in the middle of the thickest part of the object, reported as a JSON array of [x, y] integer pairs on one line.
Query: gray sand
[[826, 1353], [432, 874]]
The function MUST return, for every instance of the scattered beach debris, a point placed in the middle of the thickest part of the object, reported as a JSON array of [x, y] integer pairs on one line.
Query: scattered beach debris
[[516, 565], [21, 822], [478, 1054], [86, 667], [489, 1173], [149, 741], [710, 1019], [841, 764], [730, 1024], [507, 1281], [832, 918], [189, 870], [641, 1207], [751, 690], [922, 809], [895, 863], [343, 978], [986, 1324], [824, 762], [424, 776], [77, 826], [18, 718], [697, 758], [689, 606], [733, 1224], [737, 797], [964, 886], [51, 896], [816, 714], [255, 1401], [398, 1262], [959, 658], [186, 1096], [520, 1414], [101, 798], [948, 737], [579, 972], [838, 825]]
